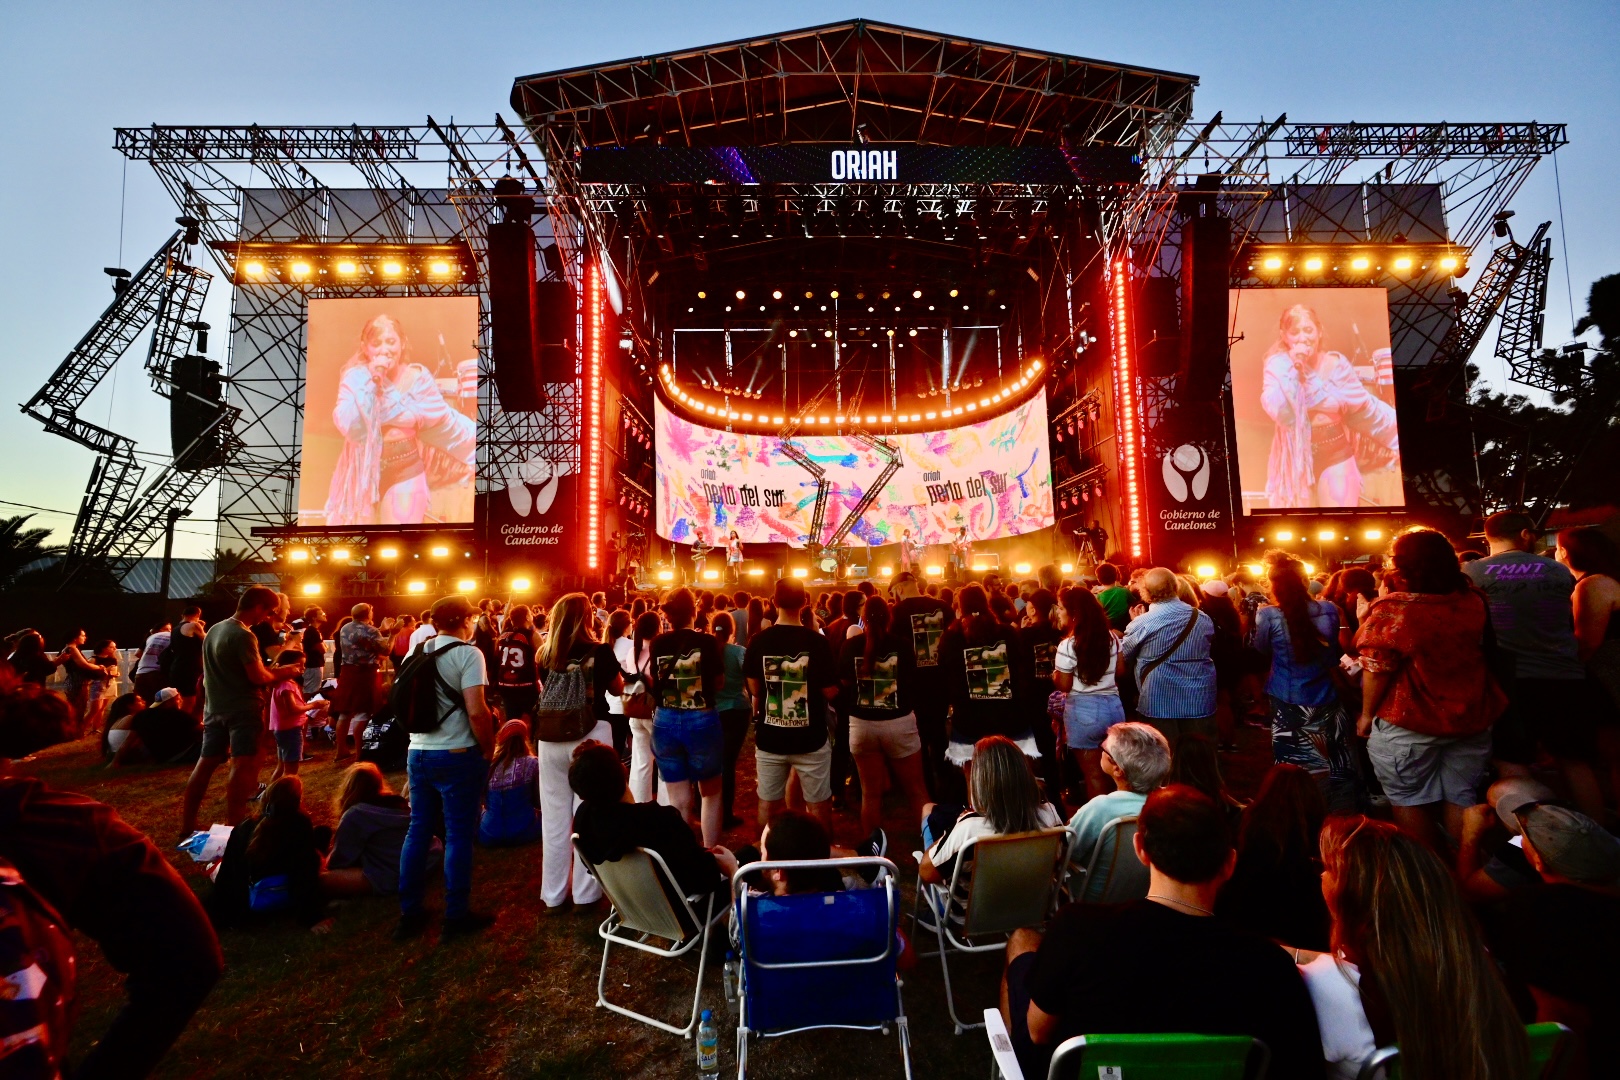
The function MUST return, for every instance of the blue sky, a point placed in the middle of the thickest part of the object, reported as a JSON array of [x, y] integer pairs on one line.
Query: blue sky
[[71, 72]]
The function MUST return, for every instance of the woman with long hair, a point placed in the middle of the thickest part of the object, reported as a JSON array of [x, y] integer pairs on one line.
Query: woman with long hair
[[617, 639], [879, 676], [1428, 701], [986, 678], [1300, 636], [279, 841], [1084, 670], [1276, 888], [1407, 964], [29, 659], [1591, 557], [517, 677], [401, 439], [372, 821], [511, 806], [1004, 798], [578, 673], [688, 740], [735, 711], [638, 685], [1195, 761], [1323, 414]]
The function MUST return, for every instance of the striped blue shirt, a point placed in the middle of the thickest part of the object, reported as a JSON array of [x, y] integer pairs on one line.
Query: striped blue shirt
[[1183, 685]]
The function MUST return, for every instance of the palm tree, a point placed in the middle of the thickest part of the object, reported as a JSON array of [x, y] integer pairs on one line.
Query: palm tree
[[21, 546]]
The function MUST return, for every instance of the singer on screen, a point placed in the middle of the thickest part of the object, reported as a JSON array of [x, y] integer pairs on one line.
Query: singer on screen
[[1321, 410], [400, 437]]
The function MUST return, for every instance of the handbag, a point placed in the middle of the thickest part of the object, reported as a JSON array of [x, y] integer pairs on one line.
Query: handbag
[[639, 705], [1134, 681], [564, 712]]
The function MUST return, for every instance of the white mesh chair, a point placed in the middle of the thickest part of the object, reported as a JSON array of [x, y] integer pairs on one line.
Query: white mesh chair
[[998, 884], [640, 886], [1113, 874]]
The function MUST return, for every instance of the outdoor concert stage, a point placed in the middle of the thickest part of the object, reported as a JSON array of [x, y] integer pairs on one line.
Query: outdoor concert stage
[[822, 289]]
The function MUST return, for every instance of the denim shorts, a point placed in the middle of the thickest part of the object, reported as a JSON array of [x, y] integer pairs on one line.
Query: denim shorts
[[290, 744], [1087, 718], [689, 744]]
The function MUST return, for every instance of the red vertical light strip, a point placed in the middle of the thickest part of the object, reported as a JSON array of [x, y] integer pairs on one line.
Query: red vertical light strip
[[1127, 408], [593, 416]]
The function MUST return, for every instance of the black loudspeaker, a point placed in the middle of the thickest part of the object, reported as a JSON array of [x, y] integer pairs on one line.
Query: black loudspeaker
[[513, 338], [194, 403], [555, 330], [1206, 267], [1158, 327]]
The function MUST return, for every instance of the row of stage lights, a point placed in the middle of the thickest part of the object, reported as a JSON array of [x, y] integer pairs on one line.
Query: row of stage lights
[[262, 263], [721, 412], [1353, 262], [1071, 500], [1326, 534], [517, 586], [383, 552], [634, 503], [755, 573]]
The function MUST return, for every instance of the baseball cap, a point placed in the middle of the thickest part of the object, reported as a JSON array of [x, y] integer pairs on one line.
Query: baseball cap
[[168, 693], [1572, 845], [450, 608], [1516, 793]]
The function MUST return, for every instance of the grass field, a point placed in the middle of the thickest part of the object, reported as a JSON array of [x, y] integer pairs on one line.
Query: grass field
[[515, 1001]]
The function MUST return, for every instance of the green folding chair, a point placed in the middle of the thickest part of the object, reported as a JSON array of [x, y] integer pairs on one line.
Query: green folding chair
[[1161, 1057], [1549, 1055]]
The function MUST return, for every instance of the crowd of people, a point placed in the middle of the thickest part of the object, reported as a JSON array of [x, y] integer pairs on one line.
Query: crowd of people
[[1427, 860]]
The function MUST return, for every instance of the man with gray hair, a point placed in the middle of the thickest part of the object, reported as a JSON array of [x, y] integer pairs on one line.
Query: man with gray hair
[[1137, 757], [1168, 647]]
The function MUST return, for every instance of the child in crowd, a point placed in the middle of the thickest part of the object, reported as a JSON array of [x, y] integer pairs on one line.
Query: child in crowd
[[371, 831], [288, 714], [511, 809]]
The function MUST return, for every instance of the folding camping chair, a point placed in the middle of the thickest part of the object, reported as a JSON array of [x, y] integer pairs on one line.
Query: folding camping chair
[[1143, 1057], [640, 887], [1010, 882], [1549, 1055], [819, 960], [1113, 874]]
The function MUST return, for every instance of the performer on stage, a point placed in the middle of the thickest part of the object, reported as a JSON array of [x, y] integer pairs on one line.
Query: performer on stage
[[1322, 411], [909, 561], [700, 558], [734, 558], [961, 555], [401, 438]]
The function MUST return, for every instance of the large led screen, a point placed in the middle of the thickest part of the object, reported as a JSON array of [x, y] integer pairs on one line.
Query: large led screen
[[994, 477], [1313, 399], [390, 411]]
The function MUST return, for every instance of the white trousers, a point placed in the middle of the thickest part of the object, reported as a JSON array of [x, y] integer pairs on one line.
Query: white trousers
[[557, 805], [641, 764]]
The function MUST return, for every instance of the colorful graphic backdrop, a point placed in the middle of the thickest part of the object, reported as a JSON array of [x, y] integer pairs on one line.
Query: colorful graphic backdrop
[[994, 476]]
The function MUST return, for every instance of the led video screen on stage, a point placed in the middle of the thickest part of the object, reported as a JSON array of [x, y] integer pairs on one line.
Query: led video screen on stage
[[1313, 399], [994, 477], [390, 411]]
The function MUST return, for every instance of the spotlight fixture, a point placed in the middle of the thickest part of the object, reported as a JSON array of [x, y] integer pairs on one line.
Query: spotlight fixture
[[416, 586], [521, 584], [312, 588], [466, 585]]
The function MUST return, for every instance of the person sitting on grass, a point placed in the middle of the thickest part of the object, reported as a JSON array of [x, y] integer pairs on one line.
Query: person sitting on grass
[[163, 733], [1163, 963], [1137, 758], [372, 821], [1005, 798], [610, 824], [511, 814], [288, 714], [119, 714], [278, 842]]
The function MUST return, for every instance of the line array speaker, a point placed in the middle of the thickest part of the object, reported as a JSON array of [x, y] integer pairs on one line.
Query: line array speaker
[[1206, 266]]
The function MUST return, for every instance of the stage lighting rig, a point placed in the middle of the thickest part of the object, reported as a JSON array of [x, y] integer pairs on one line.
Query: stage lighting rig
[[351, 264]]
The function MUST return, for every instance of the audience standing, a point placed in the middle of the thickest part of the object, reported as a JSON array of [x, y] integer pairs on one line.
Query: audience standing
[[792, 681], [1167, 648]]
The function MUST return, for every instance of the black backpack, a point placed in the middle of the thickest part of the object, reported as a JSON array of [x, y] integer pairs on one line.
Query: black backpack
[[414, 699], [385, 743]]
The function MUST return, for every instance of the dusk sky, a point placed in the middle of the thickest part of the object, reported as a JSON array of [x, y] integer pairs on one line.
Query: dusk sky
[[72, 72]]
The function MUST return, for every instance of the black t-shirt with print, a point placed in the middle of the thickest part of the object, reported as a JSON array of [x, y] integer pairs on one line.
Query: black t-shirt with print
[[922, 620], [795, 666], [987, 681], [687, 670], [1041, 643], [883, 689]]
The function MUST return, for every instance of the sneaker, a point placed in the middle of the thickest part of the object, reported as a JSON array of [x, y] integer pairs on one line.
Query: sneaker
[[470, 923], [410, 925], [874, 846]]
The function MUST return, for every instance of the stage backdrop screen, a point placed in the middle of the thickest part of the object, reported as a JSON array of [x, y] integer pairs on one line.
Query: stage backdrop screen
[[995, 477], [1313, 399], [390, 411]]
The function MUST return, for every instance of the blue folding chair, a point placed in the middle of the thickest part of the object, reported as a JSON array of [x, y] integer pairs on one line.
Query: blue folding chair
[[819, 960]]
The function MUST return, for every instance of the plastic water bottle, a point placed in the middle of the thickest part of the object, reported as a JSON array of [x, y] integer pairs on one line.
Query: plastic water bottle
[[728, 977], [708, 1046]]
